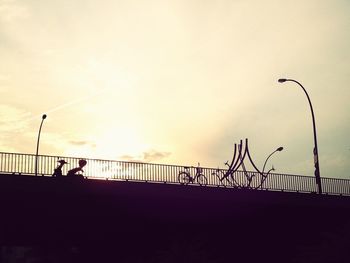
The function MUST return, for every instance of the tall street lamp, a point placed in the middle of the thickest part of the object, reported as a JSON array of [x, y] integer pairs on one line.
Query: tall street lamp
[[37, 144], [316, 160], [279, 149]]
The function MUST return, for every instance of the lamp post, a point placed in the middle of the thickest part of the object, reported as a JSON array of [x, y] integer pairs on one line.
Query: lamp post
[[37, 144], [315, 152], [279, 149]]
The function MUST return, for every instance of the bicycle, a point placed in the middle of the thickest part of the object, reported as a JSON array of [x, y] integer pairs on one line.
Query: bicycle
[[245, 180], [222, 174], [185, 177], [223, 177]]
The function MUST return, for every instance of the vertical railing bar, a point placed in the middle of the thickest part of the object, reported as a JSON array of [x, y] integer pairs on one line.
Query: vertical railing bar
[[22, 157], [140, 167], [153, 171], [19, 163], [1, 160], [13, 163], [5, 162], [41, 165], [159, 172], [166, 178], [13, 167], [44, 166], [156, 175], [147, 173], [47, 165], [9, 163], [165, 174]]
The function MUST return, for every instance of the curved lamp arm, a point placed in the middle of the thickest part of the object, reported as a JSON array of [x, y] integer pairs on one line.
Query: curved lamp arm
[[279, 149], [37, 144]]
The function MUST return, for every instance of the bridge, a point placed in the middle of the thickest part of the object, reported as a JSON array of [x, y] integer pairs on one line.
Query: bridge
[[24, 164], [139, 212]]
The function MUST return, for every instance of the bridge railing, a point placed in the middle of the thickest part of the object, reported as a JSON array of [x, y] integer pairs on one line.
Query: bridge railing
[[17, 163]]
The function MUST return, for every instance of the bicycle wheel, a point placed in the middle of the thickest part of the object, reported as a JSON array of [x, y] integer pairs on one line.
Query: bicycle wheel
[[202, 180], [217, 177], [221, 179], [184, 178]]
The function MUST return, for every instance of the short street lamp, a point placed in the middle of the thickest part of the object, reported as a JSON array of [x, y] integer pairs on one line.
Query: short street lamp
[[279, 149], [316, 159]]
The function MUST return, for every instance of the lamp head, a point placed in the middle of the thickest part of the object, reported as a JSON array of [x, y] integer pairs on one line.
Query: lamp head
[[44, 116], [282, 80], [279, 149]]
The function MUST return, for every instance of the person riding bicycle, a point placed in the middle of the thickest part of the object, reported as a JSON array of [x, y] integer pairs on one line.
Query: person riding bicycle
[[58, 170], [74, 172]]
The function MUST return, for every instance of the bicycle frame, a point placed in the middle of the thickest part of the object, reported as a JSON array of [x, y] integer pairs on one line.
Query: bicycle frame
[[186, 178], [198, 172]]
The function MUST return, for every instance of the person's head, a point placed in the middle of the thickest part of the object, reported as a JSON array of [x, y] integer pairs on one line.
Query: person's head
[[82, 163], [62, 162]]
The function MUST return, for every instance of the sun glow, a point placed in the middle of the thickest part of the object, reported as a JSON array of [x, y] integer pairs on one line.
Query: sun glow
[[114, 170], [113, 144], [120, 142]]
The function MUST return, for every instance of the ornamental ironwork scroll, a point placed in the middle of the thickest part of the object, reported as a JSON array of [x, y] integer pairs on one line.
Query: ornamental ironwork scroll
[[237, 175]]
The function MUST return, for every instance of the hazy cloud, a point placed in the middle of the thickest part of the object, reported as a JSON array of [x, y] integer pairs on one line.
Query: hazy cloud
[[129, 158], [149, 156], [4, 77], [152, 156], [14, 127], [11, 10], [4, 88], [12, 118], [82, 143]]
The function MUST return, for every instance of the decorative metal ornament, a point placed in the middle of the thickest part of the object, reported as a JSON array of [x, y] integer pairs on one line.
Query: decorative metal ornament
[[242, 178]]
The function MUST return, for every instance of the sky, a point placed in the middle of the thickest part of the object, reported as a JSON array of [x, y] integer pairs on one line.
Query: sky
[[177, 81]]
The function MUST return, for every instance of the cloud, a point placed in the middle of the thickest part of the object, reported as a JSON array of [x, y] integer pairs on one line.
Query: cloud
[[153, 155], [130, 158], [4, 88], [4, 77], [13, 128], [149, 156], [82, 143], [11, 10], [12, 118]]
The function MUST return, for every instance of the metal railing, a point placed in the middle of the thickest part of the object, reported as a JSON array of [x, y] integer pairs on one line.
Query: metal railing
[[17, 163]]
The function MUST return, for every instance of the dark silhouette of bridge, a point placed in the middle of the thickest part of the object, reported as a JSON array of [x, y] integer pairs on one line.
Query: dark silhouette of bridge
[[129, 220]]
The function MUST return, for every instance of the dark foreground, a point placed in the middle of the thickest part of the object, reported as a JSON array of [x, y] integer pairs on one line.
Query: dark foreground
[[64, 220]]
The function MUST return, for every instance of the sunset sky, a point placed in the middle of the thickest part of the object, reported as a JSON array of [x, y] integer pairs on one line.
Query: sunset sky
[[178, 81]]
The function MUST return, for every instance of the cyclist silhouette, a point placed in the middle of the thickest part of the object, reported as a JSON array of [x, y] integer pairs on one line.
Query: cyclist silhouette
[[58, 170], [74, 172]]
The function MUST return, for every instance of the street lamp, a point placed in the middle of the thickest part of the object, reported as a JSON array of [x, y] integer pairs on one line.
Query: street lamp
[[37, 144], [316, 160], [279, 149]]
